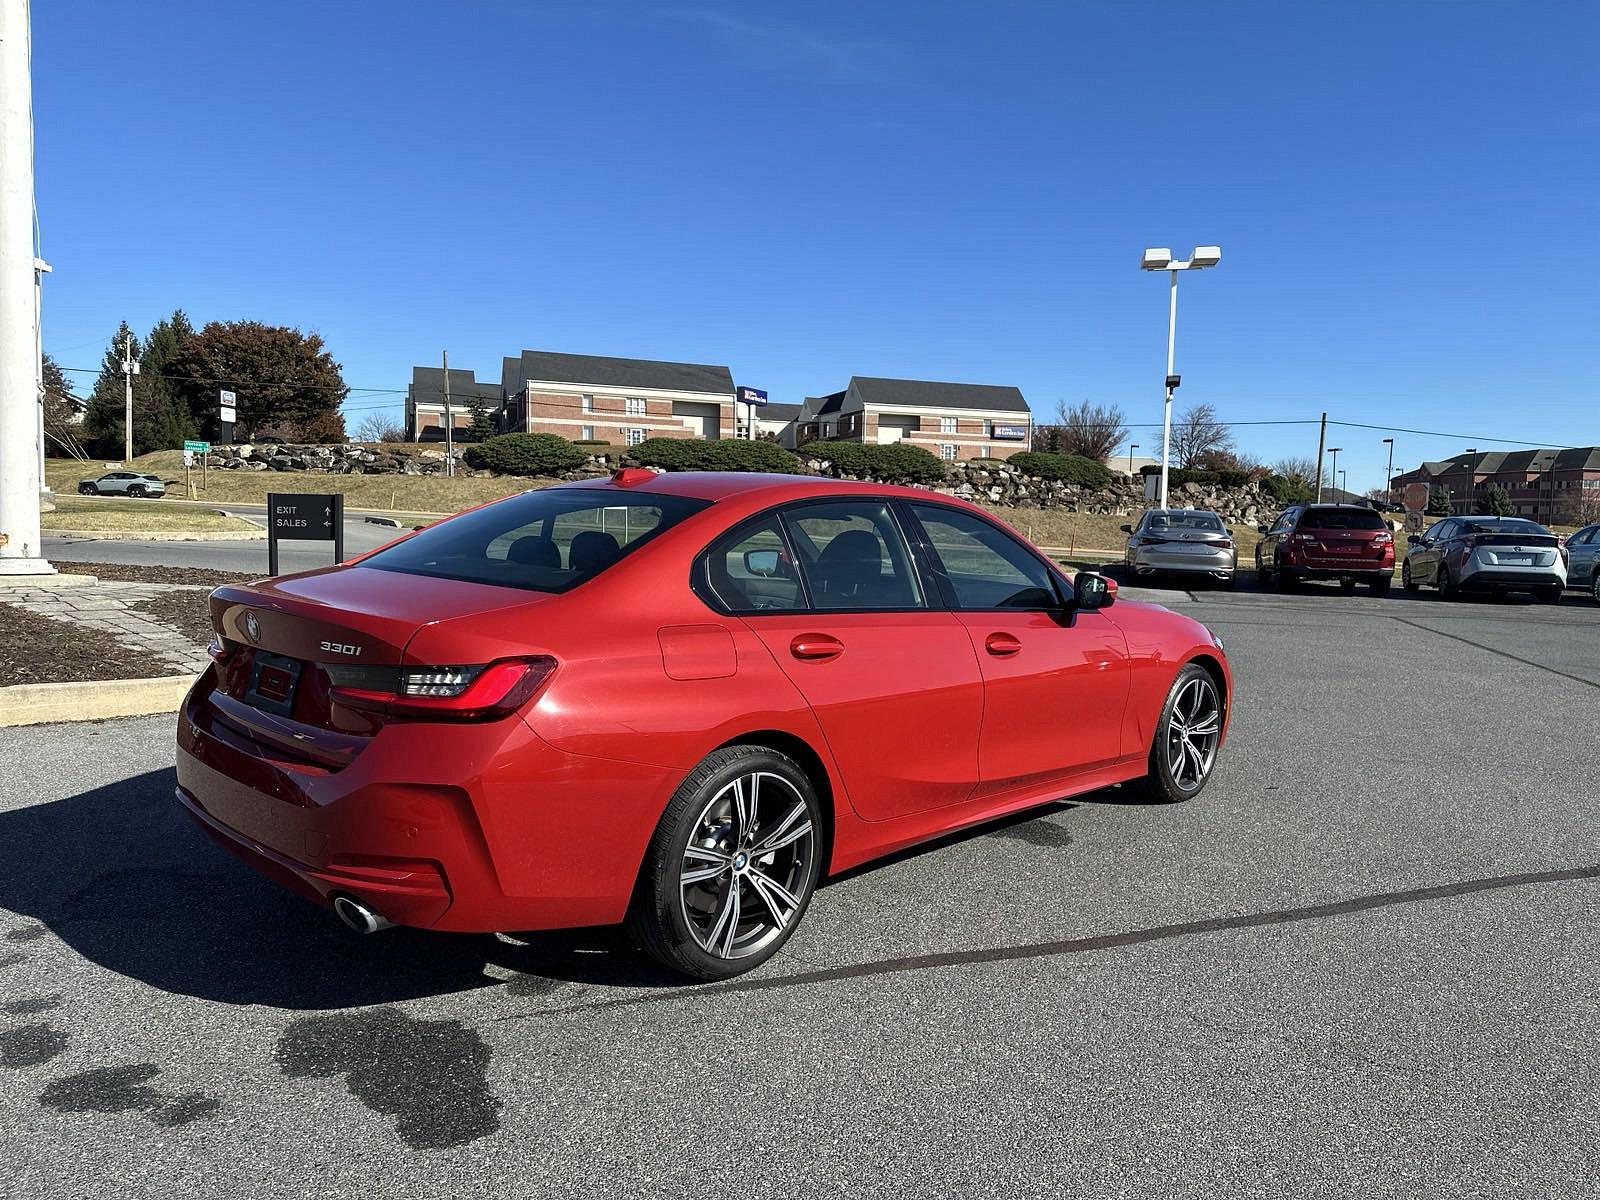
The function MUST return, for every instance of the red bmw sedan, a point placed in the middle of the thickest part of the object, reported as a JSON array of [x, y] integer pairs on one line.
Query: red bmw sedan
[[675, 701]]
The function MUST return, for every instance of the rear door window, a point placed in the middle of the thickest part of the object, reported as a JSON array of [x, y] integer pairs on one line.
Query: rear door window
[[751, 570], [547, 541], [853, 556]]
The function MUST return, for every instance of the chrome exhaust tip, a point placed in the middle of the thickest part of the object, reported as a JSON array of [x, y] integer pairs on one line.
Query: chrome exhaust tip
[[358, 916]]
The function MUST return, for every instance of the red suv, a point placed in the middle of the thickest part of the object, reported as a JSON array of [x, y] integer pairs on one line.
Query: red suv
[[1347, 542]]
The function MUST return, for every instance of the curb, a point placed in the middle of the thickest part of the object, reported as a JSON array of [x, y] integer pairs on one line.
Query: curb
[[91, 700], [159, 535]]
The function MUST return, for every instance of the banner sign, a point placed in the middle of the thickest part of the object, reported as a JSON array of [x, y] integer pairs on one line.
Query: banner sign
[[304, 517], [750, 395], [1010, 433]]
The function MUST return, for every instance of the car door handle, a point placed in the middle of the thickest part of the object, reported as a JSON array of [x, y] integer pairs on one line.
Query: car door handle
[[816, 647], [1001, 644]]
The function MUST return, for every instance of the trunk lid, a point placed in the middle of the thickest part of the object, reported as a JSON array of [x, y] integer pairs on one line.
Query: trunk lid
[[283, 641]]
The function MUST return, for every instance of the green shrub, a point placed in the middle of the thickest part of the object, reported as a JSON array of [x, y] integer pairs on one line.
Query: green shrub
[[893, 463], [1285, 490], [1182, 475], [592, 443], [525, 454], [1063, 468], [722, 454]]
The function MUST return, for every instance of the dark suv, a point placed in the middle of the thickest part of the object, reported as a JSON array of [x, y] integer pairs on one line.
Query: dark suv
[[1347, 542]]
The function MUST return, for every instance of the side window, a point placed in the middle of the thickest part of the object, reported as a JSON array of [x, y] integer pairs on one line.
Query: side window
[[986, 567], [750, 570], [1442, 532], [853, 556]]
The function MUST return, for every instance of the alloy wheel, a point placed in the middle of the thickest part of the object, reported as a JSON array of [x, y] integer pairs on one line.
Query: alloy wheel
[[1194, 730], [747, 865]]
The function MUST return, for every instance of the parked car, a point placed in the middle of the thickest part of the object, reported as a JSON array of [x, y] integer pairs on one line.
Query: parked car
[[1347, 542], [1487, 554], [1583, 560], [1183, 541], [674, 701], [123, 483]]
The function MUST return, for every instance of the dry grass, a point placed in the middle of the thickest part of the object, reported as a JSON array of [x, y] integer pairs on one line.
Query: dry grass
[[391, 493], [76, 513], [1097, 535]]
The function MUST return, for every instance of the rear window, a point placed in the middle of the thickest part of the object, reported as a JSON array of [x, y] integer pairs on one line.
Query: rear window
[[547, 541], [1342, 518], [1505, 526], [1209, 522]]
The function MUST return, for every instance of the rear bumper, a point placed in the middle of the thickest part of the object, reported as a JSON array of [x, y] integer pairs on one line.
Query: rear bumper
[[1150, 562], [1489, 579], [466, 827], [1345, 570]]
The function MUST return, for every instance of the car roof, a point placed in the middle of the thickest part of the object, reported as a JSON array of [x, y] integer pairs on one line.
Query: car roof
[[772, 488]]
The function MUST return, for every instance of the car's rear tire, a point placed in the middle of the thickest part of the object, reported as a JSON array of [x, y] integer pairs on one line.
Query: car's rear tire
[[1347, 586], [710, 902], [1283, 580], [136, 491], [1446, 585], [1406, 579], [1380, 585], [1595, 589], [1187, 738], [1550, 595]]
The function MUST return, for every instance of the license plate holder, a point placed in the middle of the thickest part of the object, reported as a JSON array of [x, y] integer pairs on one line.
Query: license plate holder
[[273, 681]]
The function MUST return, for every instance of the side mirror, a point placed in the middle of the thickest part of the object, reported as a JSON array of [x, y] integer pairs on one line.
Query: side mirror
[[1127, 529], [1091, 591], [1414, 539], [763, 564]]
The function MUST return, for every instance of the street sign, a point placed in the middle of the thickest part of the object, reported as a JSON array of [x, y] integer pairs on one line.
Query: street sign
[[188, 458], [1414, 522], [1415, 497], [226, 413], [304, 517], [196, 447], [750, 395]]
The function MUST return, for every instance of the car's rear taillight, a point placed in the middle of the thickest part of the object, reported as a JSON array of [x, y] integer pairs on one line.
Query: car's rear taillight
[[1383, 539], [456, 693], [1220, 543]]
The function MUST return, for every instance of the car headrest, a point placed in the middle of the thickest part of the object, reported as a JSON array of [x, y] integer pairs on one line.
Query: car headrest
[[593, 551], [535, 551]]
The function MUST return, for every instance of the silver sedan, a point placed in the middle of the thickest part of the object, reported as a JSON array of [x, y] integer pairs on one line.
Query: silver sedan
[[1187, 541]]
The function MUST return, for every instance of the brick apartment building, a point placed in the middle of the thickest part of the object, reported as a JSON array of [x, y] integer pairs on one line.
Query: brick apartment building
[[583, 396], [956, 421], [1547, 485]]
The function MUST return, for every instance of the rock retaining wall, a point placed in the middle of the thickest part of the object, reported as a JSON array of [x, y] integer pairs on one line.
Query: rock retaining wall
[[989, 482]]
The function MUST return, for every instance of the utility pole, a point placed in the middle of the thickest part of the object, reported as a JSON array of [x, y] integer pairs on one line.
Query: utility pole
[[1388, 478], [130, 368], [449, 419], [1322, 443], [20, 551]]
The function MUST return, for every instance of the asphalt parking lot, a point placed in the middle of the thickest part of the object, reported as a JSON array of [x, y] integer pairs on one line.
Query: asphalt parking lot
[[1361, 963]]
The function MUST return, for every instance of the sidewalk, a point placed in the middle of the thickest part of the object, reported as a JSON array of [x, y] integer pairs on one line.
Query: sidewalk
[[108, 607]]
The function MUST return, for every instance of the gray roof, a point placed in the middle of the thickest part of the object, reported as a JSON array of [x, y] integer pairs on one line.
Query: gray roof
[[773, 411], [926, 393], [619, 373], [427, 387], [1493, 462]]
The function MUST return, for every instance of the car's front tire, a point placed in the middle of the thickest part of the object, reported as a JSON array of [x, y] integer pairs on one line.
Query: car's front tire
[[88, 489], [732, 866], [1595, 589], [1187, 739]]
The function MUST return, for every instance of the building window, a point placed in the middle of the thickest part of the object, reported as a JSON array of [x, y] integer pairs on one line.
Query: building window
[[635, 436], [947, 452], [635, 406], [947, 424], [827, 429], [988, 431], [587, 431], [986, 449], [588, 403]]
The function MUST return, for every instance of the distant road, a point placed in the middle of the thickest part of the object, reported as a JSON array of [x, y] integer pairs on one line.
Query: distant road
[[245, 557]]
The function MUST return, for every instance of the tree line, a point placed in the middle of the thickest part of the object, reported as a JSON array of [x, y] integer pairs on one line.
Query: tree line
[[285, 383]]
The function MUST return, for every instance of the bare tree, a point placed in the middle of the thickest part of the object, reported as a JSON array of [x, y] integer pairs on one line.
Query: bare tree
[[1296, 469], [379, 427], [1199, 433], [1091, 430]]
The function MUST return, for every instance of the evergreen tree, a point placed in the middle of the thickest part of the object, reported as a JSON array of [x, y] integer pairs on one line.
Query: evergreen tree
[[161, 417], [1497, 501], [1438, 501], [482, 427], [103, 422]]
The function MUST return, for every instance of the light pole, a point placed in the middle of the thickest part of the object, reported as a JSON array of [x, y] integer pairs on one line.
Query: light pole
[[1132, 446], [1344, 482], [1388, 477], [1160, 259], [1472, 479], [1333, 471]]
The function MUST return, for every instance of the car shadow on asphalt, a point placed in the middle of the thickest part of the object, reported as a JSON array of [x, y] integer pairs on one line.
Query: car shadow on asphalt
[[121, 876]]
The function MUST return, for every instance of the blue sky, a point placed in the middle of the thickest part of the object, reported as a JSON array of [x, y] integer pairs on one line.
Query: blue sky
[[1406, 196]]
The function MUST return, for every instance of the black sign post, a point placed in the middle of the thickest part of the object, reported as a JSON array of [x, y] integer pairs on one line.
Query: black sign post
[[304, 517]]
